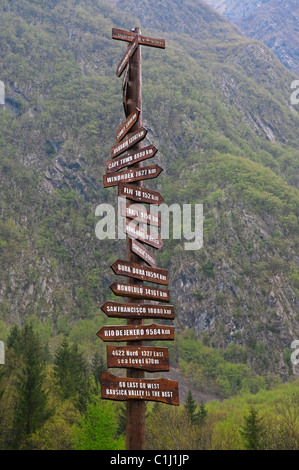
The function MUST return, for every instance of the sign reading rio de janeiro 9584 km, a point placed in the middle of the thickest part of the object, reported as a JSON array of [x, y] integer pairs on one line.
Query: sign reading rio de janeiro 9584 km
[[125, 169]]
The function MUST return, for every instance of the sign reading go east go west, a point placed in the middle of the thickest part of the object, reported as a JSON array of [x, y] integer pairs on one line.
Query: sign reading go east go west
[[117, 388], [143, 273], [140, 292], [144, 358], [136, 333], [140, 194], [126, 310]]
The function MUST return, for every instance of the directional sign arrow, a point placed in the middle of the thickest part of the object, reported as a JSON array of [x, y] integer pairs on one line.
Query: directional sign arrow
[[123, 388], [138, 213], [134, 231], [143, 358], [131, 157], [126, 126], [135, 193], [129, 52], [140, 292], [129, 36], [136, 333], [143, 253], [127, 310], [131, 140], [144, 173], [143, 273]]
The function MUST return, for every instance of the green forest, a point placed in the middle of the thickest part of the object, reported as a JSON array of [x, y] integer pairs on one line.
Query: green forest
[[217, 106], [51, 400]]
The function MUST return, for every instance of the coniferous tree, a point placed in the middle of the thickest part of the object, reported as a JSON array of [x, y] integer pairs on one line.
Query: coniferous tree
[[71, 371], [97, 366], [201, 414], [190, 406], [253, 430], [31, 398]]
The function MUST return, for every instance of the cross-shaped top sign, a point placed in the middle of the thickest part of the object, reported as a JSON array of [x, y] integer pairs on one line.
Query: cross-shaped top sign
[[129, 36]]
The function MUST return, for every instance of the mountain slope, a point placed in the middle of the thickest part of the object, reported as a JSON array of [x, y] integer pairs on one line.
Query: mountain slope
[[275, 22], [216, 106]]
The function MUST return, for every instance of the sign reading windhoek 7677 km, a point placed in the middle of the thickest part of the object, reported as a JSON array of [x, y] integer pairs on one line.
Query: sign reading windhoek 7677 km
[[145, 173], [117, 388]]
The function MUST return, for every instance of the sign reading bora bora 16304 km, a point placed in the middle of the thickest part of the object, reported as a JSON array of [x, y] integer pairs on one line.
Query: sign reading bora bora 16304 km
[[144, 273]]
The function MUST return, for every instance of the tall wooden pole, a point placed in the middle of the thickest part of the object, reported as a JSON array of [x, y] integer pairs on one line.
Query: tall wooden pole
[[135, 413], [135, 388]]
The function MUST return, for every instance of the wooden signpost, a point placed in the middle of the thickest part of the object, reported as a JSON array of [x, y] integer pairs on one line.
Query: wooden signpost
[[141, 226]]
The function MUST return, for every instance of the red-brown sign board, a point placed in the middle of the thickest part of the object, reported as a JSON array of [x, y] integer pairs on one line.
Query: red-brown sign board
[[129, 36], [127, 143], [126, 310], [130, 158], [139, 194], [136, 333], [125, 59], [127, 176], [134, 231], [149, 359], [161, 390], [144, 273], [140, 292], [126, 126], [138, 213], [143, 253]]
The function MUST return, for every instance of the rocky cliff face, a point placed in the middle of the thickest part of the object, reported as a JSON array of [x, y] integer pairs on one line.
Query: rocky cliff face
[[275, 22]]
